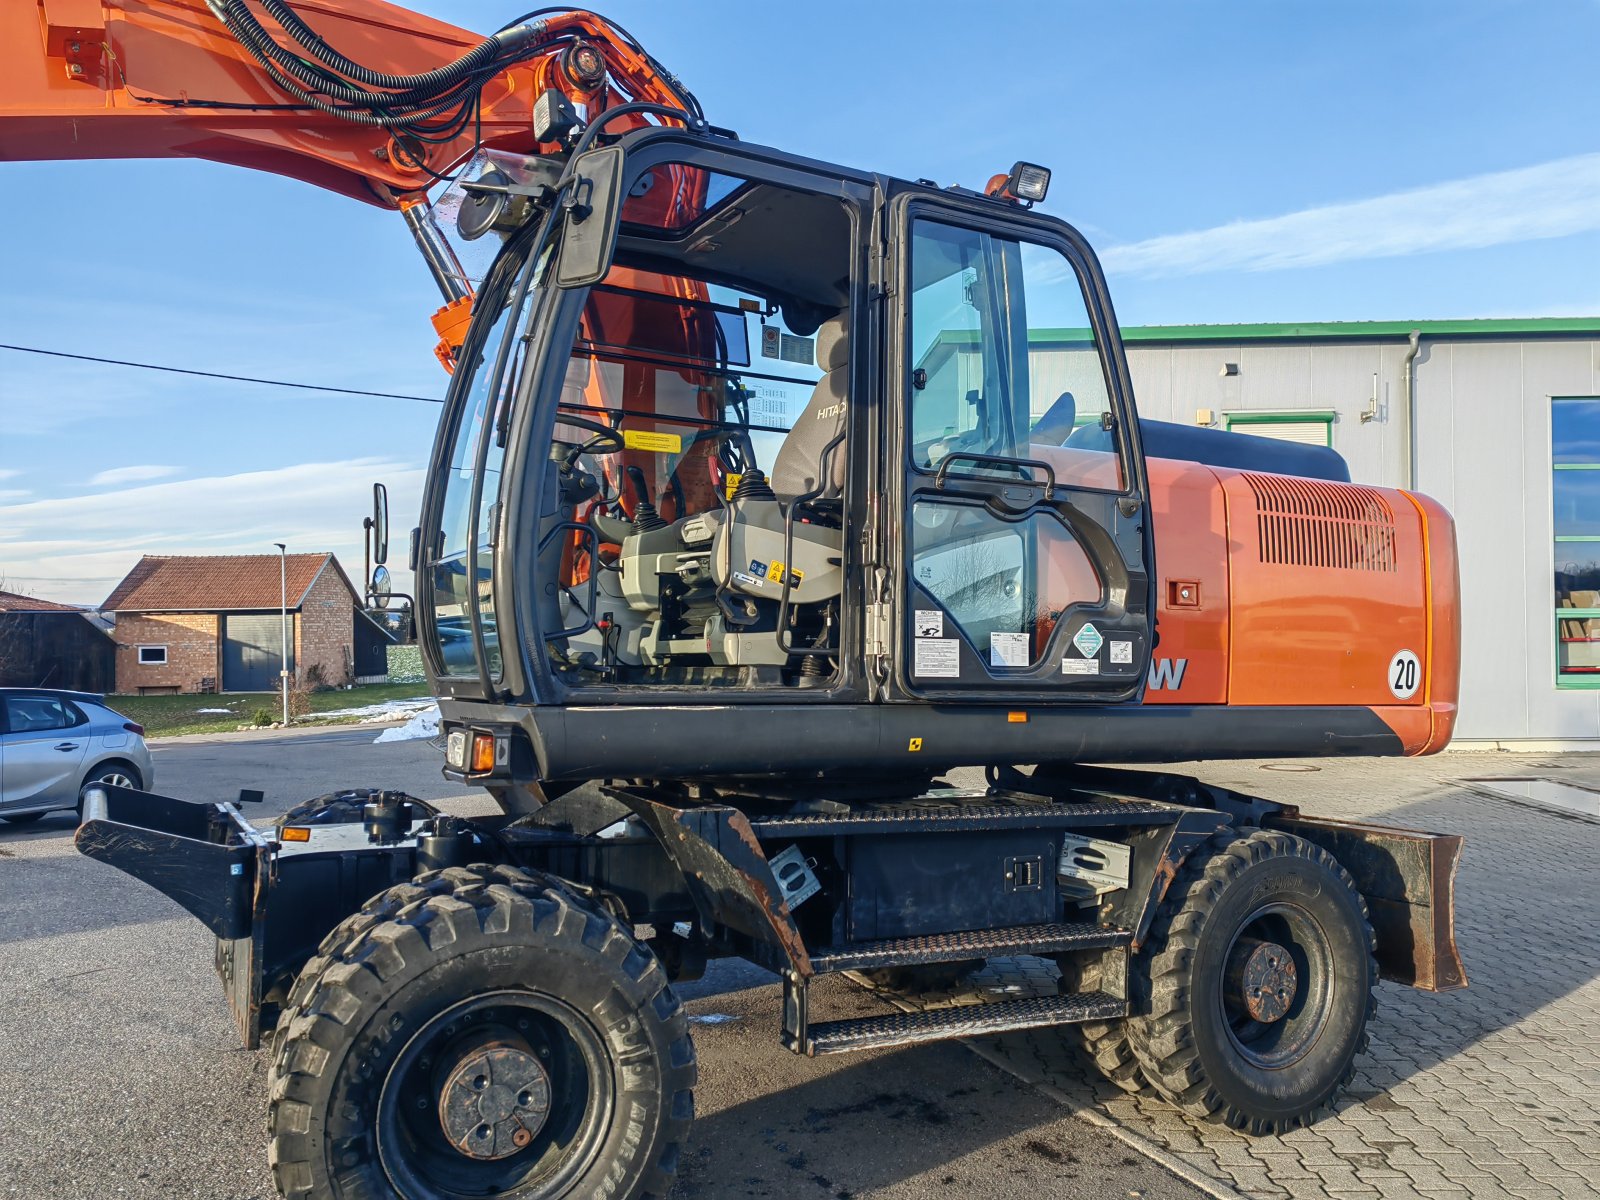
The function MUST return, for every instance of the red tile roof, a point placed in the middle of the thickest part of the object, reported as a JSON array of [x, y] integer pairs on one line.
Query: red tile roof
[[216, 583], [12, 602]]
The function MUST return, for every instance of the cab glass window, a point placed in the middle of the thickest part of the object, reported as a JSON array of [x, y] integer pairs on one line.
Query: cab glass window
[[1005, 361]]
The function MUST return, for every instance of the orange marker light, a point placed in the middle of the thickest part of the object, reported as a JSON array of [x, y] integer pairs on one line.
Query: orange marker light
[[291, 834], [482, 752], [1017, 718]]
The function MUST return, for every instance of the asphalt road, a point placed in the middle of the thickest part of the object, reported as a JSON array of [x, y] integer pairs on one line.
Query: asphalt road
[[121, 1076]]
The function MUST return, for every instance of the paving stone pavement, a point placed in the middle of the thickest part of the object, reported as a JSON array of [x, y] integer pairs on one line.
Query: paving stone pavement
[[1490, 1093]]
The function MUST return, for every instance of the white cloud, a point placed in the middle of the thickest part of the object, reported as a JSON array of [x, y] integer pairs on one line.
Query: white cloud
[[9, 472], [13, 493], [131, 475], [77, 548], [1553, 199]]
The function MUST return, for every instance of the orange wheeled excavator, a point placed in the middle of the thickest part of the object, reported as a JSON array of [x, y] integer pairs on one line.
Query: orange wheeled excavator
[[767, 492]]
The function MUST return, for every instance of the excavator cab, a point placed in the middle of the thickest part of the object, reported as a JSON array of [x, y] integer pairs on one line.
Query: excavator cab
[[784, 440]]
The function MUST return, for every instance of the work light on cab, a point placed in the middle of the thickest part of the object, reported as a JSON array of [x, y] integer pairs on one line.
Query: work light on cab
[[1025, 182]]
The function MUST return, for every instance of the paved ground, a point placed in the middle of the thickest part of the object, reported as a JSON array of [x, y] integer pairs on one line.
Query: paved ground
[[120, 1075], [1483, 1094]]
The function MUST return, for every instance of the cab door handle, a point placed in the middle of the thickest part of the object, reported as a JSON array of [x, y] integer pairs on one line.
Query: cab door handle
[[65, 746]]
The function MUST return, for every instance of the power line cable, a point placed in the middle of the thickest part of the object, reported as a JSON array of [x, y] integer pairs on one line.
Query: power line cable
[[283, 383]]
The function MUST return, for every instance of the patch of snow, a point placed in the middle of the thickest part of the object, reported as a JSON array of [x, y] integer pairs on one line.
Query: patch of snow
[[385, 711], [226, 711], [713, 1019], [423, 724]]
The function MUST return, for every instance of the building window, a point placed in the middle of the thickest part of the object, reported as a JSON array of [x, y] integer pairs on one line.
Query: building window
[[1575, 493], [152, 656], [1309, 428]]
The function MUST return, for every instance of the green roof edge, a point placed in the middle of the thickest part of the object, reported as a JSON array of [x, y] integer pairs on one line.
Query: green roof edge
[[1316, 330]]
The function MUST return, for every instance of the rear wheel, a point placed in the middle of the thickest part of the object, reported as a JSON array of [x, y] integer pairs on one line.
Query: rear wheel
[[481, 1032], [1104, 1043], [338, 808], [114, 774], [1259, 985]]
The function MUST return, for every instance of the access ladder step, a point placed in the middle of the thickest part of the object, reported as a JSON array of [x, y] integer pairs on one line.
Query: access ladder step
[[956, 811], [974, 1020], [1060, 937]]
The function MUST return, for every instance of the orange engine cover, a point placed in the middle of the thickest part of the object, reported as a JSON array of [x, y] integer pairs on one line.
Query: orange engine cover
[[1278, 590]]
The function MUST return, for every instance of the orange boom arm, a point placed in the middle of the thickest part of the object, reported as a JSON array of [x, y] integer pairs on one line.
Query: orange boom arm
[[169, 79]]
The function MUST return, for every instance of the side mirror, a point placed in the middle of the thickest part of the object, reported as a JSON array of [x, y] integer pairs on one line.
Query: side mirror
[[593, 212], [380, 524], [379, 589]]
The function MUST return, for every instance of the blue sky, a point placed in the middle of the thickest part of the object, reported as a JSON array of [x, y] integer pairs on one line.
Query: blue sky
[[1232, 162]]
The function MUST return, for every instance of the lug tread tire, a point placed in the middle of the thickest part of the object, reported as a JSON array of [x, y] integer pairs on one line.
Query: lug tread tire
[[1162, 1035], [458, 906], [1103, 1043]]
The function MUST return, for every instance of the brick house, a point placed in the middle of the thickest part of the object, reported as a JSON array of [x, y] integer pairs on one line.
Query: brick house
[[192, 623]]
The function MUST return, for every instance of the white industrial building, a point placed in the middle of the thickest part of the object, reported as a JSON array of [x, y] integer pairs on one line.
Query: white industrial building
[[1497, 419]]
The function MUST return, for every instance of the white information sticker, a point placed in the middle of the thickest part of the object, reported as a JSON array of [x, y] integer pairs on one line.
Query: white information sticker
[[938, 658], [929, 622], [1080, 666], [1008, 650], [1121, 652], [1405, 674]]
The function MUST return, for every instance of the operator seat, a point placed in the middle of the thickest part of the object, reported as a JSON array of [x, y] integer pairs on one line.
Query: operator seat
[[797, 468], [1057, 423]]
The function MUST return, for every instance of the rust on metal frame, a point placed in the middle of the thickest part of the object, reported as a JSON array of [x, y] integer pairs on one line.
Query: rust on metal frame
[[1408, 879]]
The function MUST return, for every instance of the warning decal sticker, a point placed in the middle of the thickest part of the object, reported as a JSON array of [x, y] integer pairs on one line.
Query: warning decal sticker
[[660, 443], [1088, 641], [1008, 649], [1079, 666], [1121, 652], [929, 622], [937, 658]]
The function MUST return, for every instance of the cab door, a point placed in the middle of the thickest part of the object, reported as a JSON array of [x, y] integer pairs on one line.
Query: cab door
[[1023, 544]]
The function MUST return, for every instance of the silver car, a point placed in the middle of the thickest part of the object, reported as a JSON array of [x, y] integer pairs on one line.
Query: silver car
[[53, 743]]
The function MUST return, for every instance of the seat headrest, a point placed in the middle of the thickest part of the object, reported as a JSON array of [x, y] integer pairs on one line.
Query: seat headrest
[[833, 342]]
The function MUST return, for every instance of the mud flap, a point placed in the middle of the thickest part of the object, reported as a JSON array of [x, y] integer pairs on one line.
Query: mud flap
[[1408, 879]]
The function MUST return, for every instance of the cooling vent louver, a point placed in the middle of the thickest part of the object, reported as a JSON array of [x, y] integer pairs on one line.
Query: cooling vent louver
[[1309, 523]]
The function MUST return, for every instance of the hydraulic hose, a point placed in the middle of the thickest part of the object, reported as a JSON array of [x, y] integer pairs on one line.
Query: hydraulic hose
[[507, 43]]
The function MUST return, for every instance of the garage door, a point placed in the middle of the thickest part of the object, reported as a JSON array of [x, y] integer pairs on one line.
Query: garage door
[[250, 652]]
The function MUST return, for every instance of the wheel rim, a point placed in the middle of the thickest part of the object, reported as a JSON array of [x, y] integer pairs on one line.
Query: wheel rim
[[527, 1068], [1277, 986], [116, 779]]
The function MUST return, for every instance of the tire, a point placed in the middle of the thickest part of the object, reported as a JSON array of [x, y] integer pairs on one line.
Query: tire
[[1248, 905], [117, 773], [337, 808], [22, 818], [930, 977], [389, 1025], [1104, 1043]]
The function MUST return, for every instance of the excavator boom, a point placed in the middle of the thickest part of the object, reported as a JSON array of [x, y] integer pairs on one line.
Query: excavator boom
[[173, 79]]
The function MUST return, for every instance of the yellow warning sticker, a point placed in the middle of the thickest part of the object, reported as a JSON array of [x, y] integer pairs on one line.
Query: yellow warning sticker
[[731, 482], [658, 443], [775, 574], [914, 746]]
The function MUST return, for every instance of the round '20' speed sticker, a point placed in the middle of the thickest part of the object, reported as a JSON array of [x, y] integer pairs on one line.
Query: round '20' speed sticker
[[1405, 675]]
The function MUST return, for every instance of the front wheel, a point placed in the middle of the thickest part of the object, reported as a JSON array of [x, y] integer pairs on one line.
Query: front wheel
[[1255, 1001], [481, 1032]]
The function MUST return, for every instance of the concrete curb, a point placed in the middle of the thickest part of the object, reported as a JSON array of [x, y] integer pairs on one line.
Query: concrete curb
[[1162, 1157], [261, 735], [1093, 1116]]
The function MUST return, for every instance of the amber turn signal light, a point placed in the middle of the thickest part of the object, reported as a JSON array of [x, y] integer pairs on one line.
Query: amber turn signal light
[[291, 834], [482, 752]]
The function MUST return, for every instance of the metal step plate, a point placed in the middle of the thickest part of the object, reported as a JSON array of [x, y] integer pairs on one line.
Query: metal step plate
[[932, 1025], [1057, 938], [955, 812]]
